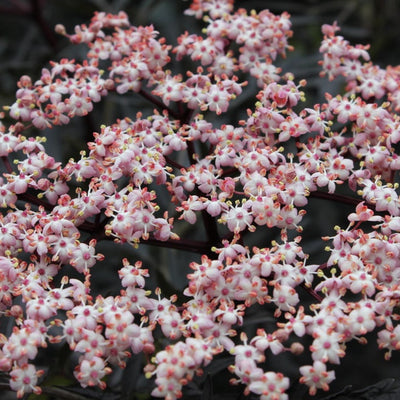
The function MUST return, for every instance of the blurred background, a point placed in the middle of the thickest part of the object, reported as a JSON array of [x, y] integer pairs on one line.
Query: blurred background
[[28, 42]]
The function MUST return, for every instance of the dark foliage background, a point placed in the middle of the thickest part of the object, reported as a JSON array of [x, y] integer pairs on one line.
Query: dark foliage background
[[28, 42]]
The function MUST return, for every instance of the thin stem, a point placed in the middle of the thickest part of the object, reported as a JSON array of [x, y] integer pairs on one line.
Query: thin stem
[[173, 163], [158, 103], [63, 394], [211, 227], [56, 392], [229, 172], [192, 246], [17, 8], [312, 292], [7, 164], [191, 151], [339, 198], [36, 11], [30, 198]]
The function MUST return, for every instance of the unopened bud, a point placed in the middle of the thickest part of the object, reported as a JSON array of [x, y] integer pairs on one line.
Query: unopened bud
[[109, 84], [60, 29], [296, 348], [18, 127], [16, 311], [25, 81], [281, 335]]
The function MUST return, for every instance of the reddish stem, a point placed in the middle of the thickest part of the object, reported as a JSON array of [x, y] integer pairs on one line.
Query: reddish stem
[[7, 164], [32, 199], [36, 12], [335, 197], [158, 103], [17, 8], [312, 292]]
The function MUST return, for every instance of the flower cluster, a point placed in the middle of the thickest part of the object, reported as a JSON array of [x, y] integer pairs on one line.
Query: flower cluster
[[235, 179]]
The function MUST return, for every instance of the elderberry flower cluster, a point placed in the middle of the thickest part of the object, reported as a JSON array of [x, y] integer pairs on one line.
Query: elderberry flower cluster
[[235, 179]]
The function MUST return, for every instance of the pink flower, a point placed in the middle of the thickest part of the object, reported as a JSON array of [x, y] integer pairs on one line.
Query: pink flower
[[285, 297], [23, 379], [390, 340], [362, 319], [271, 386], [91, 344], [91, 372], [22, 345], [316, 377], [132, 275], [326, 347], [363, 213], [238, 218]]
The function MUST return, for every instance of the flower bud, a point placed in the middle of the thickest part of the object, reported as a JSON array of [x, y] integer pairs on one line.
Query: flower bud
[[296, 348], [60, 29]]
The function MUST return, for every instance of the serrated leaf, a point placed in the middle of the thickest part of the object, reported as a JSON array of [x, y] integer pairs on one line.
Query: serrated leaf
[[387, 389]]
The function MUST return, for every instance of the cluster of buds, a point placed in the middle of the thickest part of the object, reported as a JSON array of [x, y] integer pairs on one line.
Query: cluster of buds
[[235, 179]]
